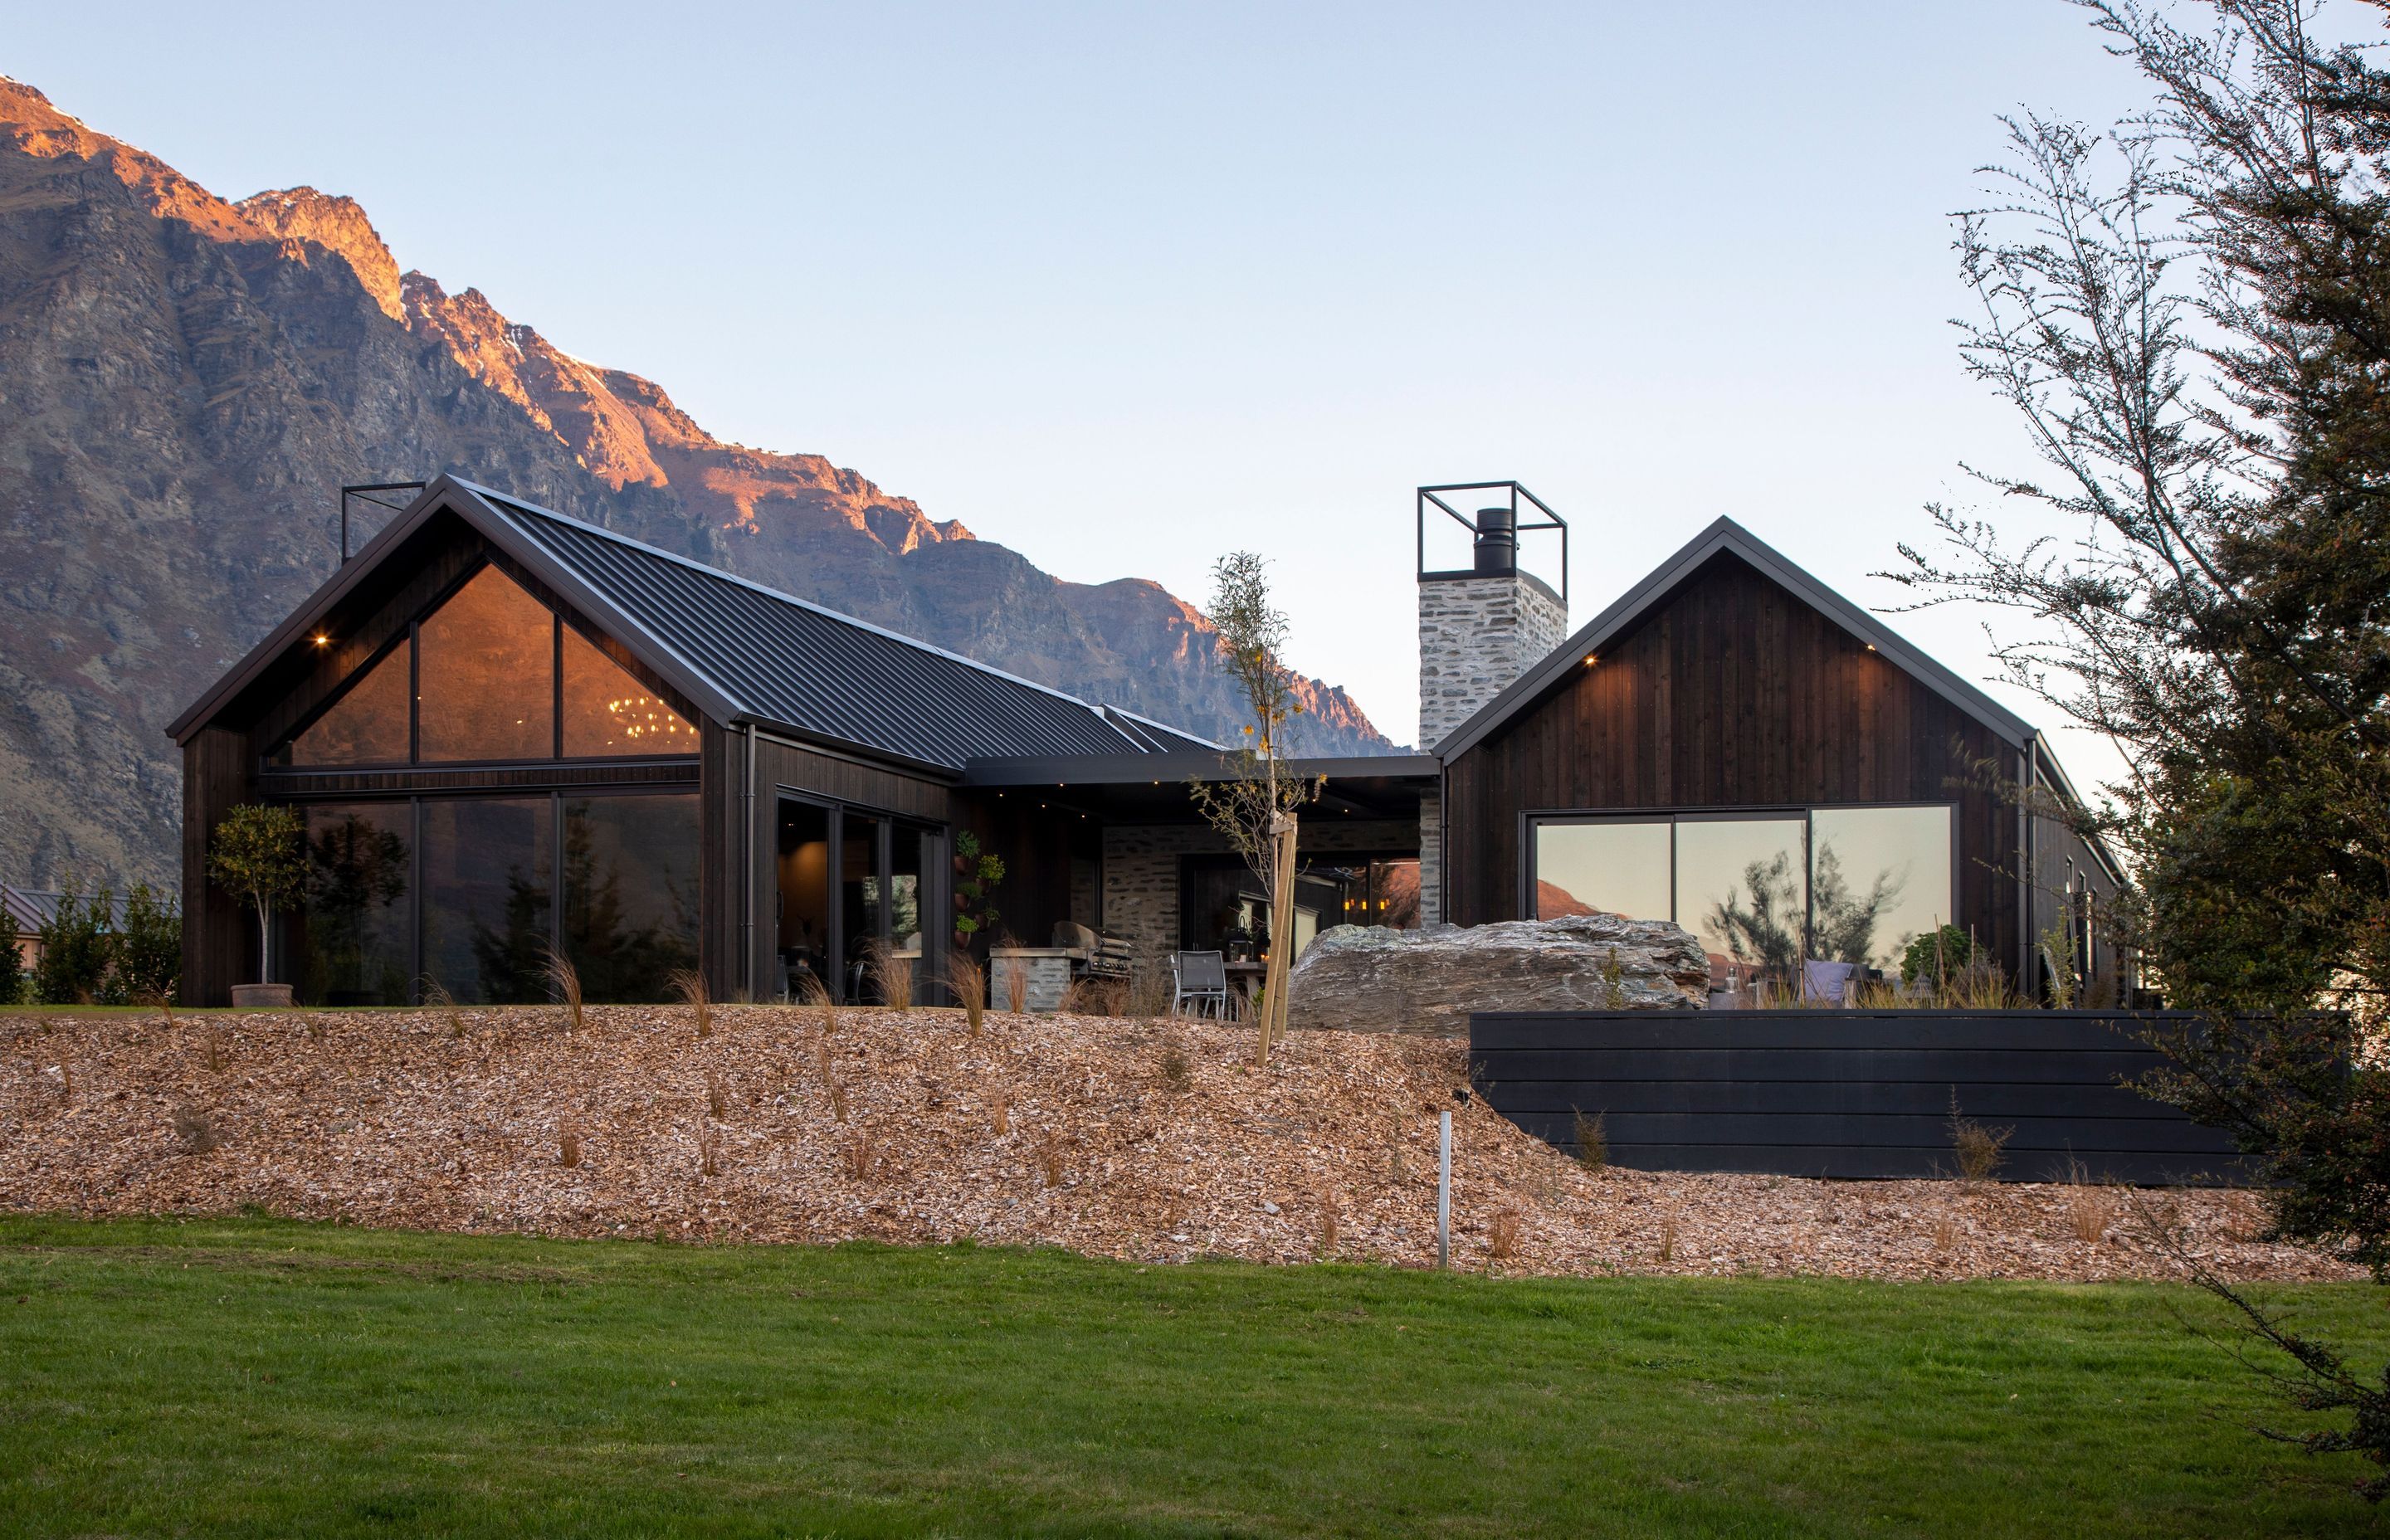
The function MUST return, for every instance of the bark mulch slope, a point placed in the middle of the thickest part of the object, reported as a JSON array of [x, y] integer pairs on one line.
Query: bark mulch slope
[[1146, 1140]]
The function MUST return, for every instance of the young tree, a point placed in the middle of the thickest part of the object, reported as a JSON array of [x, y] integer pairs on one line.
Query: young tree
[[2191, 315], [1255, 800], [12, 961], [259, 853]]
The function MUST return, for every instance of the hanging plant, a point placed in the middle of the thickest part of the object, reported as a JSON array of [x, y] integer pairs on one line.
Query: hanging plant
[[976, 872]]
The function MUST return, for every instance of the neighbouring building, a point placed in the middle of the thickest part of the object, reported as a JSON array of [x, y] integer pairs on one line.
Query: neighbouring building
[[512, 735]]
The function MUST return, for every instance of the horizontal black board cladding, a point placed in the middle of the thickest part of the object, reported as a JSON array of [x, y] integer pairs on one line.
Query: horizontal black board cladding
[[1846, 1094]]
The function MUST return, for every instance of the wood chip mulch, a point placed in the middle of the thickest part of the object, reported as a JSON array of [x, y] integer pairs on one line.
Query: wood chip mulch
[[1145, 1140]]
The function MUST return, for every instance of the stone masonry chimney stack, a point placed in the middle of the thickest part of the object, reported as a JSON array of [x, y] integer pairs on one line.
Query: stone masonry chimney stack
[[1482, 627]]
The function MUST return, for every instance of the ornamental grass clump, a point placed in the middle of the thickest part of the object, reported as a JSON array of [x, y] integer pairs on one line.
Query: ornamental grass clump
[[969, 981], [564, 982], [690, 984], [891, 975]]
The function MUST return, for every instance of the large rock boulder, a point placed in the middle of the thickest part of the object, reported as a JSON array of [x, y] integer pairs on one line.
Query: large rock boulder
[[1371, 979]]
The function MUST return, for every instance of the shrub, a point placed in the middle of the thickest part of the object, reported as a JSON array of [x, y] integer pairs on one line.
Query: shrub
[[148, 950], [1980, 1151], [12, 962], [76, 949], [195, 1128], [1936, 956], [1177, 1071], [1592, 1141], [1502, 1236], [889, 974]]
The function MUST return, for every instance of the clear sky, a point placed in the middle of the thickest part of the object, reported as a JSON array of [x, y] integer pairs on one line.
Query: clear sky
[[1127, 286]]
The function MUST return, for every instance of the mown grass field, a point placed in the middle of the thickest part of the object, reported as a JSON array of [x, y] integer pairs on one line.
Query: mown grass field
[[255, 1377]]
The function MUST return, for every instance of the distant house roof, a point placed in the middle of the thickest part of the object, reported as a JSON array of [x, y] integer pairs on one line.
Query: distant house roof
[[32, 908], [746, 653], [1727, 537]]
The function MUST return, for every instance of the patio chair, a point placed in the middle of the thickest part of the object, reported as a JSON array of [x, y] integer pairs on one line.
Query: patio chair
[[1199, 981]]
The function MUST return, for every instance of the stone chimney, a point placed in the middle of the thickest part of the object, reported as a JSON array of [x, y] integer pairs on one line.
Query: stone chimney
[[1481, 628]]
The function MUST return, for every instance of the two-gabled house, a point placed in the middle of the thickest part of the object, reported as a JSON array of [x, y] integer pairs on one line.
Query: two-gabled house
[[513, 735]]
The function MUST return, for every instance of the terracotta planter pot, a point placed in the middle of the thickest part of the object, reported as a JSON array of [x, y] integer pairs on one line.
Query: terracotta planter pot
[[962, 866], [261, 996], [961, 903], [962, 938]]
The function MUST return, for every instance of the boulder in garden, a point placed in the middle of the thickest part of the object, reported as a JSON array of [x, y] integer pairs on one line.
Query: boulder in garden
[[1372, 979]]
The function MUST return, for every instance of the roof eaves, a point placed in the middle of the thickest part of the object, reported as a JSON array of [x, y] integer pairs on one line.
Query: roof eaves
[[435, 495], [1725, 535]]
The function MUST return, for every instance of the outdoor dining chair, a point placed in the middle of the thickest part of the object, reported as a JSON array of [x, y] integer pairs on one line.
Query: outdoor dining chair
[[1198, 982]]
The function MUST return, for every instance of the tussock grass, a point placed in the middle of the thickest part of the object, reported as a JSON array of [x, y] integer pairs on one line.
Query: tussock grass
[[689, 986], [968, 980]]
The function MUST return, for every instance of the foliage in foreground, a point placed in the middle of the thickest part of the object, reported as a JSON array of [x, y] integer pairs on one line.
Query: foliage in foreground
[[2191, 315], [257, 1377]]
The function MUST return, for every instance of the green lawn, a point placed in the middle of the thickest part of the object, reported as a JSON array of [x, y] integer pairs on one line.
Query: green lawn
[[254, 1377]]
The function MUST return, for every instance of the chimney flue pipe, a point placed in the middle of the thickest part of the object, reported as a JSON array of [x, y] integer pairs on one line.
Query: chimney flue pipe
[[1497, 542]]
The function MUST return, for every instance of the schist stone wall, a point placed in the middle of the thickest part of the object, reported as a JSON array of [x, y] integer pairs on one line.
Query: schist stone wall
[[1476, 636], [1141, 867]]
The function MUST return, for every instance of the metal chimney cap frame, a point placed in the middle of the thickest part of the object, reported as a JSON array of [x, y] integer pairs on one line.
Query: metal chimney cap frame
[[1517, 494], [358, 491]]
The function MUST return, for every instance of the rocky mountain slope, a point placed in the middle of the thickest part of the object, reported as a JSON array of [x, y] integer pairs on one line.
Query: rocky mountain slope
[[187, 381]]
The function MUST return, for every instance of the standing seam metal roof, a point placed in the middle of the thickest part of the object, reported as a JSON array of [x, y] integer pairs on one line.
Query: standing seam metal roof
[[784, 661]]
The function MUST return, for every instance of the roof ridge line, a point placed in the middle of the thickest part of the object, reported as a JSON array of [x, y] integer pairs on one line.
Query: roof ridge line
[[781, 595]]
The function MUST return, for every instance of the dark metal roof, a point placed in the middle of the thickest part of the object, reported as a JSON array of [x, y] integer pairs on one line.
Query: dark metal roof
[[748, 653]]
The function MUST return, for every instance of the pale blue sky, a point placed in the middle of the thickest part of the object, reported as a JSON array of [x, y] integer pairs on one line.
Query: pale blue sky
[[1127, 287]]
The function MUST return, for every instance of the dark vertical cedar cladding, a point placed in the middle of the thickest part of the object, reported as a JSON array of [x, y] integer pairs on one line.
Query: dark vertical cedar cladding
[[1732, 691]]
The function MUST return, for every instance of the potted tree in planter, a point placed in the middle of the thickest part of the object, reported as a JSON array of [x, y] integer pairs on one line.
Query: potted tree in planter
[[259, 853]]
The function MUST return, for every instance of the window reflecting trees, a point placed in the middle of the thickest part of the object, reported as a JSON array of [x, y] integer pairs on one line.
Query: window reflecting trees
[[630, 894], [357, 942], [1843, 884]]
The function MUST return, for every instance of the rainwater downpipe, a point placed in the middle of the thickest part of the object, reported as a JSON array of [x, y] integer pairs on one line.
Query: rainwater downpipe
[[2025, 864], [746, 903]]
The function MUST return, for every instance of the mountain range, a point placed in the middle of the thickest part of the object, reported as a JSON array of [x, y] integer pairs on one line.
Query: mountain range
[[186, 383]]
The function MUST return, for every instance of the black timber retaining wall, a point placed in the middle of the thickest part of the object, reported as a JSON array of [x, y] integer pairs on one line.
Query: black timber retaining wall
[[1844, 1092]]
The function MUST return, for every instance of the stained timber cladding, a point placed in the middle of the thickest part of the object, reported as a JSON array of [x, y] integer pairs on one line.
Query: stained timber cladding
[[1846, 1093]]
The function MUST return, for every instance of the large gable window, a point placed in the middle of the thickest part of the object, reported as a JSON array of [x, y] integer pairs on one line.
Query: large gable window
[[491, 674], [608, 713], [486, 689], [368, 723]]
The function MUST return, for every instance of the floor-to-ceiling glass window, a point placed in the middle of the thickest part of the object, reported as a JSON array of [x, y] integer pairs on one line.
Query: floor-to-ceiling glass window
[[1879, 877], [487, 896], [629, 882], [357, 931]]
